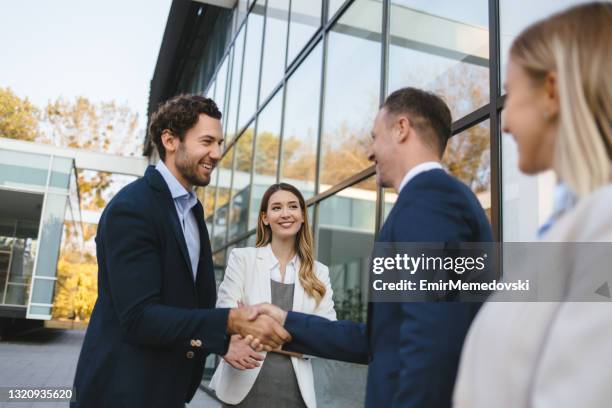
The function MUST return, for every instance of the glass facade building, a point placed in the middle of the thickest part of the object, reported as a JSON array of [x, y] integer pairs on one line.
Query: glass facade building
[[38, 192], [299, 83]]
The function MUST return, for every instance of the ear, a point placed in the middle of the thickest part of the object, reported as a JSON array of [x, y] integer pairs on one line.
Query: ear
[[551, 93], [264, 218], [169, 141], [402, 130]]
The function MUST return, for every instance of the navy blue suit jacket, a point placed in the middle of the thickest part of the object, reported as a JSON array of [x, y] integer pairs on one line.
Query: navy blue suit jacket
[[412, 348], [141, 347]]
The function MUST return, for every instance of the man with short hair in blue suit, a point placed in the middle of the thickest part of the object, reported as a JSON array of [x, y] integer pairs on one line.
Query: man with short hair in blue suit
[[155, 322], [412, 348]]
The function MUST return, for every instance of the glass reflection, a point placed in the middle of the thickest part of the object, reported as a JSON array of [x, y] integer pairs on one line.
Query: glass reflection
[[304, 21], [442, 47], [266, 153], [222, 201], [234, 91], [241, 183], [344, 241], [275, 48], [333, 7], [299, 146], [351, 95], [252, 59], [220, 89], [468, 157]]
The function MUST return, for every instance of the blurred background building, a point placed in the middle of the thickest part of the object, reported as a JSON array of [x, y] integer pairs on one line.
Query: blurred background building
[[40, 213]]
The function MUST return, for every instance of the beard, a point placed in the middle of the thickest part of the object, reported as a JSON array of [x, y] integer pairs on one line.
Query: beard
[[188, 167]]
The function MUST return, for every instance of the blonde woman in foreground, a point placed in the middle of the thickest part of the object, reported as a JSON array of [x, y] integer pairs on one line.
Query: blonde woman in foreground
[[279, 270], [559, 111]]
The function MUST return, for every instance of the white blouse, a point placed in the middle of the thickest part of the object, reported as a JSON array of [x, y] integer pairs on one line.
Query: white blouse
[[291, 270]]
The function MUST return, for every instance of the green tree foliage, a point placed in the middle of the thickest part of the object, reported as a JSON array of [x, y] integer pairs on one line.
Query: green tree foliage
[[18, 117]]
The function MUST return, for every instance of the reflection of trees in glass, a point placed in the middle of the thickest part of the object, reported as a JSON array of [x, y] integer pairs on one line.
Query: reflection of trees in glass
[[464, 86], [468, 158], [299, 160], [345, 154], [244, 151], [266, 154]]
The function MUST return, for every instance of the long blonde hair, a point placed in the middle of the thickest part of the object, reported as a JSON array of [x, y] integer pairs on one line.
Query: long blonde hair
[[303, 243], [577, 45]]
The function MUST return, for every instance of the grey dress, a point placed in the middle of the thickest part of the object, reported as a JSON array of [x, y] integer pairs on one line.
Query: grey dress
[[276, 385]]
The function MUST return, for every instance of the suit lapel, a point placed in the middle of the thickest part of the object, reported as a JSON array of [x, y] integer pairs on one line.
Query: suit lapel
[[158, 183], [263, 274], [205, 278]]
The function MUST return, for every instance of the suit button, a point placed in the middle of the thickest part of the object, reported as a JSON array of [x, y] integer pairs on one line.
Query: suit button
[[193, 343], [190, 354], [198, 343]]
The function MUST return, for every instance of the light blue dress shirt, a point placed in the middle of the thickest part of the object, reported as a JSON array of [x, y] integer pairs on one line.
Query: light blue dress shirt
[[184, 201]]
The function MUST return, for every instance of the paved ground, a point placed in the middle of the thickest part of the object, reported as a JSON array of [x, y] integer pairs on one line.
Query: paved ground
[[47, 358]]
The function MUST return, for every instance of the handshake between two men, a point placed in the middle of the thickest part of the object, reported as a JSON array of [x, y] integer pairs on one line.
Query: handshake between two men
[[262, 326]]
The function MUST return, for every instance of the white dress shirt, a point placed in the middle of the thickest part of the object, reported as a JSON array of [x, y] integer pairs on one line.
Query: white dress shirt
[[290, 270], [184, 201], [418, 169]]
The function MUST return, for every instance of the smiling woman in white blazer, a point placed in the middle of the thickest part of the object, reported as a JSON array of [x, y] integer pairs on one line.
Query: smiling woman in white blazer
[[282, 260]]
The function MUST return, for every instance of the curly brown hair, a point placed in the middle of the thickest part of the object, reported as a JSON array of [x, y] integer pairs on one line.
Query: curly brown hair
[[178, 115]]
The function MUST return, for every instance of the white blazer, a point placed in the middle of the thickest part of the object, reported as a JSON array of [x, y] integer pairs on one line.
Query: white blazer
[[247, 278], [546, 354]]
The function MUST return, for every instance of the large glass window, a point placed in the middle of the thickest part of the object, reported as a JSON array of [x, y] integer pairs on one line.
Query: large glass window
[[222, 201], [266, 153], [442, 47], [299, 146], [252, 58], [241, 183], [468, 157], [234, 92], [345, 238], [351, 95], [304, 21], [221, 87], [275, 47], [333, 6]]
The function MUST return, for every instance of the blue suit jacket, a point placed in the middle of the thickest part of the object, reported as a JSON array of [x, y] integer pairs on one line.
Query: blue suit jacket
[[138, 350], [412, 348]]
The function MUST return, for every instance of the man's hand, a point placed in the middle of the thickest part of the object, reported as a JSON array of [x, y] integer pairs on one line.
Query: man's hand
[[268, 309], [240, 354], [248, 321]]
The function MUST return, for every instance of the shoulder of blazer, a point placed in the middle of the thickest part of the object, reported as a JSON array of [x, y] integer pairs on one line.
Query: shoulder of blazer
[[246, 253], [320, 268]]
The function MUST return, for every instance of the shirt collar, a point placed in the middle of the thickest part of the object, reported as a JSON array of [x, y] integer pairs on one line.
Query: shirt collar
[[176, 188], [274, 261], [418, 169]]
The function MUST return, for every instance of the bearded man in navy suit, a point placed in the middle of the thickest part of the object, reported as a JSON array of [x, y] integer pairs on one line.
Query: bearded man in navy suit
[[154, 322], [412, 348]]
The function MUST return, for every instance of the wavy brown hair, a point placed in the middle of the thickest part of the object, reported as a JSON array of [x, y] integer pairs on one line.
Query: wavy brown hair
[[303, 242]]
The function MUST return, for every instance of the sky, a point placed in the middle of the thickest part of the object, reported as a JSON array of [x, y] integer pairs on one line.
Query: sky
[[103, 50]]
